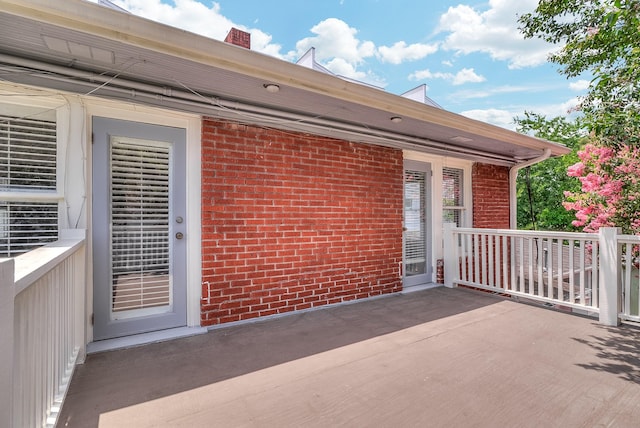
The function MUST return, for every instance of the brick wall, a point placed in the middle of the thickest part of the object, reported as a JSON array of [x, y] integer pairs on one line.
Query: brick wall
[[490, 189], [291, 222]]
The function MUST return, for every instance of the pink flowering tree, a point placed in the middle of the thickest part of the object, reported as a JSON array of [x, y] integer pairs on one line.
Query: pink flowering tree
[[610, 191]]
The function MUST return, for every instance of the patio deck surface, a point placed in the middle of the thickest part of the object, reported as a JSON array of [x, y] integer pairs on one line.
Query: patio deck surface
[[437, 358]]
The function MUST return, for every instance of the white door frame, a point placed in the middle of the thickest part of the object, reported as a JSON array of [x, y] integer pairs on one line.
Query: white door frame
[[193, 125]]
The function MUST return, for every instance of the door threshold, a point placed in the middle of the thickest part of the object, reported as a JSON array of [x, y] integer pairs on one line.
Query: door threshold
[[414, 288], [143, 339]]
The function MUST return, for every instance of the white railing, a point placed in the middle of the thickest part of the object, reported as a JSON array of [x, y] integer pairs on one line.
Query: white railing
[[629, 257], [589, 273], [42, 296], [551, 267]]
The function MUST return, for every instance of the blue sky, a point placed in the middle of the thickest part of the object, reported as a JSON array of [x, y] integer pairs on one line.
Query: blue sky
[[469, 53]]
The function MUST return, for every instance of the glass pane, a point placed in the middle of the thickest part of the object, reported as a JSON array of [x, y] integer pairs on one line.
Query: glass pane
[[452, 216], [414, 222], [140, 226], [27, 154], [26, 225], [452, 187]]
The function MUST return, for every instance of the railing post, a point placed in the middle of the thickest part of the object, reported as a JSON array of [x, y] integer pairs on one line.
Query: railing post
[[7, 295], [451, 260], [609, 293]]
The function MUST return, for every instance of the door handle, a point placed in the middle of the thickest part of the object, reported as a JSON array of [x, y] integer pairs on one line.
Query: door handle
[[179, 235]]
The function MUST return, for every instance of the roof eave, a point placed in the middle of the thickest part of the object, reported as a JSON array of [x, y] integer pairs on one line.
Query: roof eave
[[134, 30]]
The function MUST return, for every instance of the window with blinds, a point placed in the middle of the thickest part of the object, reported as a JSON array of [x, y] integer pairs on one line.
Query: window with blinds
[[140, 198], [452, 196], [28, 158]]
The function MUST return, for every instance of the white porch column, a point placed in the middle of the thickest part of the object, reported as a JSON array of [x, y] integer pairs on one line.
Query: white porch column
[[450, 255], [7, 294], [609, 280]]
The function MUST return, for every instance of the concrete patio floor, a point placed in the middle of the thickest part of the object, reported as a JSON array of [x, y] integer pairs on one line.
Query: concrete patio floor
[[436, 358]]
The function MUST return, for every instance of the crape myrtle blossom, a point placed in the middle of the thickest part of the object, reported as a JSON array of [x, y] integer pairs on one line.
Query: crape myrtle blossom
[[610, 188]]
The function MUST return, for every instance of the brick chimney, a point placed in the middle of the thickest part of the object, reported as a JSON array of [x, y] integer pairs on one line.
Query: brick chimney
[[239, 38]]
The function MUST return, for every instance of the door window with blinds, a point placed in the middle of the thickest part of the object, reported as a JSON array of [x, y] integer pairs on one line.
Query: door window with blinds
[[417, 251], [452, 196], [140, 196], [28, 189]]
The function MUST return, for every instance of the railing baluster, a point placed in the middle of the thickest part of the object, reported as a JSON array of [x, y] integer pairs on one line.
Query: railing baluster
[[456, 255], [627, 263], [520, 250], [463, 258], [476, 257], [483, 255], [539, 246], [572, 281], [498, 262], [582, 272], [531, 279], [512, 261], [549, 264], [560, 270], [505, 263], [595, 274]]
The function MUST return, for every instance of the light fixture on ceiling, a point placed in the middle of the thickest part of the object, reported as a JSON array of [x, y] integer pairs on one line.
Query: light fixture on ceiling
[[396, 119], [271, 87]]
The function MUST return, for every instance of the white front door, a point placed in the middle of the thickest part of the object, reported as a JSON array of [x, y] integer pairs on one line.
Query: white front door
[[417, 224], [139, 224]]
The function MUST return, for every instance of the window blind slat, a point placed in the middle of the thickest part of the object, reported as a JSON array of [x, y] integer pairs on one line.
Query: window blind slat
[[140, 226]]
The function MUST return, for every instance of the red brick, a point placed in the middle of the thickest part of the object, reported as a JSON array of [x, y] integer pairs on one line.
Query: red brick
[[289, 221], [490, 189]]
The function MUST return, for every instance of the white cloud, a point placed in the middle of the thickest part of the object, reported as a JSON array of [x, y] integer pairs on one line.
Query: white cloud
[[466, 75], [335, 39], [427, 74], [401, 52], [494, 31], [198, 18], [567, 108], [579, 85], [502, 118], [497, 90], [343, 68], [505, 117], [338, 49]]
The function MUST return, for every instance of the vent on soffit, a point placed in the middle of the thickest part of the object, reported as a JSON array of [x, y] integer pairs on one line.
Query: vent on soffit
[[79, 50], [460, 139]]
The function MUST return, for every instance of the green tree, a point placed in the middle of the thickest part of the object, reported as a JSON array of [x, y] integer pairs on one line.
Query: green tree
[[601, 39], [598, 38], [541, 187]]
